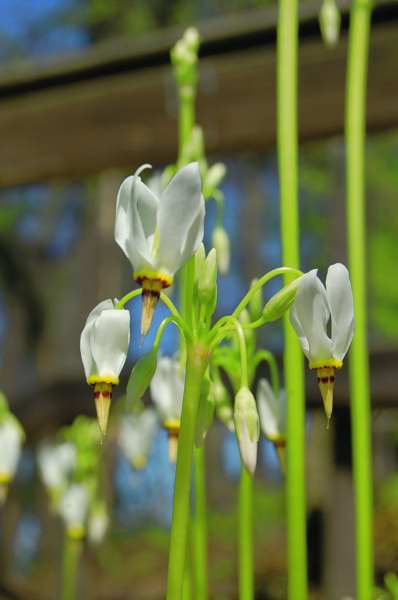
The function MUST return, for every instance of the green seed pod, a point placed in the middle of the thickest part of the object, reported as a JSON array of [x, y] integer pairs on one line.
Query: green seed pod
[[281, 301], [140, 378]]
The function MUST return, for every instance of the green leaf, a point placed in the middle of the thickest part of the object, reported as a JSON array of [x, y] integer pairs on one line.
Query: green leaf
[[140, 378], [205, 412]]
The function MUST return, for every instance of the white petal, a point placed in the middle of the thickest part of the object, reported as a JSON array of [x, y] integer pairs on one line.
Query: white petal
[[180, 218], [74, 505], [268, 409], [248, 448], [167, 388], [85, 348], [310, 316], [136, 435], [56, 463], [109, 341], [339, 292], [136, 211]]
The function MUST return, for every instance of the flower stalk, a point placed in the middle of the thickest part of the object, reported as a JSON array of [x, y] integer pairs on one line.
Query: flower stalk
[[359, 367], [287, 144], [71, 558]]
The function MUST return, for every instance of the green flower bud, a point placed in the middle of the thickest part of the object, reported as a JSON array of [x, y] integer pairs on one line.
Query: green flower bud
[[220, 241], [281, 301], [192, 39], [140, 378], [212, 179], [207, 280], [256, 303], [329, 21], [247, 426]]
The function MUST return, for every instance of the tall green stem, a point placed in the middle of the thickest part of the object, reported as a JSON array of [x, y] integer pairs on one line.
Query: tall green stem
[[71, 556], [359, 368], [196, 365], [287, 141], [246, 567], [200, 526]]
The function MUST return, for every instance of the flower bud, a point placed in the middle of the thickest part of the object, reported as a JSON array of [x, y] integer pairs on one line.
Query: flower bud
[[140, 378], [220, 241], [213, 177], [329, 21], [207, 279], [192, 39], [247, 427], [281, 301]]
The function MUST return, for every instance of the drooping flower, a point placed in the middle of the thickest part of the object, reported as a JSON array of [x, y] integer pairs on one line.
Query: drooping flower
[[167, 389], [98, 523], [104, 345], [272, 413], [73, 509], [56, 463], [313, 307], [247, 427], [136, 436], [158, 234]]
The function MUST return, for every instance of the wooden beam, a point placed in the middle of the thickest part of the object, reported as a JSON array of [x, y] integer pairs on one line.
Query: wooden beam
[[70, 130]]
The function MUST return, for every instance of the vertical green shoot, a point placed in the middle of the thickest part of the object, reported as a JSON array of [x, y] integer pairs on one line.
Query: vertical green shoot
[[359, 368], [287, 143]]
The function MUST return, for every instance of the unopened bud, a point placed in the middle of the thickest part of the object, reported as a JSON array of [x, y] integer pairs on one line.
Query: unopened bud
[[220, 241], [329, 21], [214, 176], [247, 426], [207, 278], [191, 38], [281, 301]]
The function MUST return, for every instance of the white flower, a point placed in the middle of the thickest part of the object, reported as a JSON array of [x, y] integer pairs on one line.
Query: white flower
[[11, 439], [56, 463], [247, 427], [136, 436], [310, 314], [158, 234], [104, 345], [74, 509], [167, 390], [98, 523], [272, 412]]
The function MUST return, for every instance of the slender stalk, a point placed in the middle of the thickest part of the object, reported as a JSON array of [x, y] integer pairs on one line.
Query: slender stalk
[[359, 367], [196, 364], [246, 566], [71, 556], [200, 527], [287, 142]]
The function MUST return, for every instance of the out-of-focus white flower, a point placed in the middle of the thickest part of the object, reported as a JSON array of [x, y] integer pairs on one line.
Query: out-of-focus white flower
[[167, 390], [11, 440], [272, 412], [313, 307], [98, 523], [73, 509], [56, 462], [329, 21], [104, 345], [158, 234], [220, 241], [136, 435], [247, 427]]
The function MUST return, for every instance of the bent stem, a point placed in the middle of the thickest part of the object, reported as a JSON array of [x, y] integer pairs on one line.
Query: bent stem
[[246, 566], [196, 365], [71, 556], [287, 142], [200, 526], [359, 366]]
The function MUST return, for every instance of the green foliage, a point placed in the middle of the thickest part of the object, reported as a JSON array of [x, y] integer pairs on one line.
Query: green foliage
[[140, 378]]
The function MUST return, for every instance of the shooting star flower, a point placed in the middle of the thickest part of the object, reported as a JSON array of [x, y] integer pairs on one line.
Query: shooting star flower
[[272, 413], [158, 234], [104, 345], [136, 436], [313, 307]]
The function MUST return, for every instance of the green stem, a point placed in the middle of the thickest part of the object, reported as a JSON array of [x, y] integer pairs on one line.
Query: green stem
[[246, 566], [200, 526], [128, 297], [196, 365], [186, 118], [287, 141], [70, 564], [359, 367]]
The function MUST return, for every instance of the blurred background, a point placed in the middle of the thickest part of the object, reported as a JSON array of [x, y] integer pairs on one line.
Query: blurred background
[[86, 96]]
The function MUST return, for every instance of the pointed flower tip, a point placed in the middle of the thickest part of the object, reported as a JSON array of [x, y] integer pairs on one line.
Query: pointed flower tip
[[149, 302], [103, 397]]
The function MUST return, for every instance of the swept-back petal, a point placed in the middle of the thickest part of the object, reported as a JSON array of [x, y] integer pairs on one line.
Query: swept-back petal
[[339, 293], [136, 210], [180, 216], [310, 315], [269, 407], [167, 388], [109, 341], [85, 348]]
